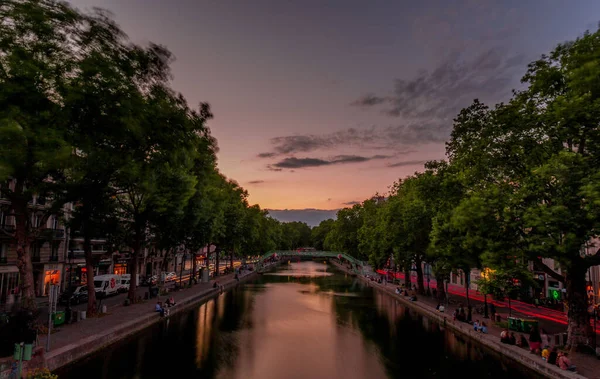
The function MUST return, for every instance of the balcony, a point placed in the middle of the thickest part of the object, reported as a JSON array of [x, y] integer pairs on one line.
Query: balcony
[[77, 254], [53, 258], [49, 233], [8, 228]]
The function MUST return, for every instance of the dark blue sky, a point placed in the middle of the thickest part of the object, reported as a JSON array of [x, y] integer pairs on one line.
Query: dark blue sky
[[341, 98]]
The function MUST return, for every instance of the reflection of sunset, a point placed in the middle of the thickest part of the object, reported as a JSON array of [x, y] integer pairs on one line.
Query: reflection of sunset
[[205, 316]]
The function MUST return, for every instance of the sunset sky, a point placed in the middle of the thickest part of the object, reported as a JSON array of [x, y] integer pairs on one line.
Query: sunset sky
[[320, 104]]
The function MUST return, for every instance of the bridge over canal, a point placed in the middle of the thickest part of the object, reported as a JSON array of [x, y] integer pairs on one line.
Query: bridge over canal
[[282, 255]]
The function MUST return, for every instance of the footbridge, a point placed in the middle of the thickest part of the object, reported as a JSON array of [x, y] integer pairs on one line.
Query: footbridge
[[270, 258]]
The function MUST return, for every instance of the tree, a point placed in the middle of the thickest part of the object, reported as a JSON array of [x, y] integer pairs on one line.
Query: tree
[[374, 242], [38, 41], [319, 233], [344, 234], [103, 103], [541, 151], [158, 174]]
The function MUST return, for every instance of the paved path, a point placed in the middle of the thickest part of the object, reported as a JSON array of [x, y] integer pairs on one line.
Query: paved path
[[552, 320], [67, 334], [587, 365]]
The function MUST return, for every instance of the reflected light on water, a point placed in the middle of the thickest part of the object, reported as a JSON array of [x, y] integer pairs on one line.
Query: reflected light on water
[[203, 331]]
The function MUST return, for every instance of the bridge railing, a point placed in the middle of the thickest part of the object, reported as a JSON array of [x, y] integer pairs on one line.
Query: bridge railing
[[316, 254]]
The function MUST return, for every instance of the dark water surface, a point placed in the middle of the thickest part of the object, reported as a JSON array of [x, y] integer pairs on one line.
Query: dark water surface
[[303, 321]]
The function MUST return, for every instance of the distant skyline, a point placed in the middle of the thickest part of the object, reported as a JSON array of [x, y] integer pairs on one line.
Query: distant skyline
[[321, 104]]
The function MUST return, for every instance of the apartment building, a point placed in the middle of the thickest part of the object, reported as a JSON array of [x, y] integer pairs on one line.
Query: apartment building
[[48, 250]]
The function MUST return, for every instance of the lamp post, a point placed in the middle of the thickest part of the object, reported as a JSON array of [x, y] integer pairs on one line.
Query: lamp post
[[70, 268]]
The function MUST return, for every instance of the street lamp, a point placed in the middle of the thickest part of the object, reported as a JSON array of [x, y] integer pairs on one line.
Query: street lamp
[[70, 268]]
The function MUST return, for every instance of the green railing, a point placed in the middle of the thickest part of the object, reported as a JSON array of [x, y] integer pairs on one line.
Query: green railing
[[357, 265]]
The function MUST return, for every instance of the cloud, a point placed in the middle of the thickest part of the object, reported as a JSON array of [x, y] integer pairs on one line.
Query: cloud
[[406, 163], [426, 104], [369, 100], [256, 182], [293, 162], [351, 203], [420, 109]]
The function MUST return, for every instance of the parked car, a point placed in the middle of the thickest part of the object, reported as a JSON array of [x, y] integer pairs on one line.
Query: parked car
[[150, 280], [74, 295]]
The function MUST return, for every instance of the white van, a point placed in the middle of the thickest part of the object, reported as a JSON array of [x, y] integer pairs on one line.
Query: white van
[[106, 285], [125, 280]]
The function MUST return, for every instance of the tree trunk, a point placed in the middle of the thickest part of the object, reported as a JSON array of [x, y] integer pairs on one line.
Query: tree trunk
[[407, 283], [419, 269], [89, 266], [231, 260], [137, 245], [24, 264], [441, 291], [193, 275], [217, 252], [579, 328], [467, 284]]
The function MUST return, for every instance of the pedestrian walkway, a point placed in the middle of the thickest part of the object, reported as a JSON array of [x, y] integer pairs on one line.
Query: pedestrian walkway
[[587, 365], [97, 332]]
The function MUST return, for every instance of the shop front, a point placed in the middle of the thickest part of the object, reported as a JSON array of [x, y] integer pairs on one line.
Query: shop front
[[120, 268], [75, 274], [9, 286], [52, 276]]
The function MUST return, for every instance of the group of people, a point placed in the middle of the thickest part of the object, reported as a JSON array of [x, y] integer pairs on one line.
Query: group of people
[[412, 295], [480, 327], [539, 343], [164, 311]]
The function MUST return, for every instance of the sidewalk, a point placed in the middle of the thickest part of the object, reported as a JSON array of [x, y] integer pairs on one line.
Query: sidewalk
[[75, 341], [588, 366]]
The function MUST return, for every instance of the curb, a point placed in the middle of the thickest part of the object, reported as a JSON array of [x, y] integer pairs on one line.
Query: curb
[[76, 351], [507, 351]]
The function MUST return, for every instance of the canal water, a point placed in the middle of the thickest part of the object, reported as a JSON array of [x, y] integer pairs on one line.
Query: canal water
[[303, 321]]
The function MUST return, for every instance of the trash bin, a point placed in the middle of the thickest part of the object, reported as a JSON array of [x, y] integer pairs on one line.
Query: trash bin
[[82, 315], [104, 309], [27, 351], [515, 324], [58, 318], [528, 324]]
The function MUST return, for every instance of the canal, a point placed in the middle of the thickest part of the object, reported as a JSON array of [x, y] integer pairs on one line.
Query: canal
[[305, 320]]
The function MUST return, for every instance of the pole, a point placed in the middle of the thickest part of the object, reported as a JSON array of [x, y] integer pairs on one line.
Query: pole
[[509, 308], [70, 269], [181, 271], [20, 369], [51, 310]]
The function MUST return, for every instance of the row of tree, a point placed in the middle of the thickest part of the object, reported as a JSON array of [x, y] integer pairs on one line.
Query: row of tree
[[88, 118], [521, 183]]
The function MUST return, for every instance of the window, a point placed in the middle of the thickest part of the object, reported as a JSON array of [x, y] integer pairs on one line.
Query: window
[[35, 251], [55, 222], [36, 220], [54, 252], [3, 252]]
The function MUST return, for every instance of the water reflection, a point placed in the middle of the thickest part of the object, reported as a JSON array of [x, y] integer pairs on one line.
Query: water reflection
[[303, 322]]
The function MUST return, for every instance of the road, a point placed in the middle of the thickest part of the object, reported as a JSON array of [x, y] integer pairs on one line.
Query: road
[[117, 300]]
